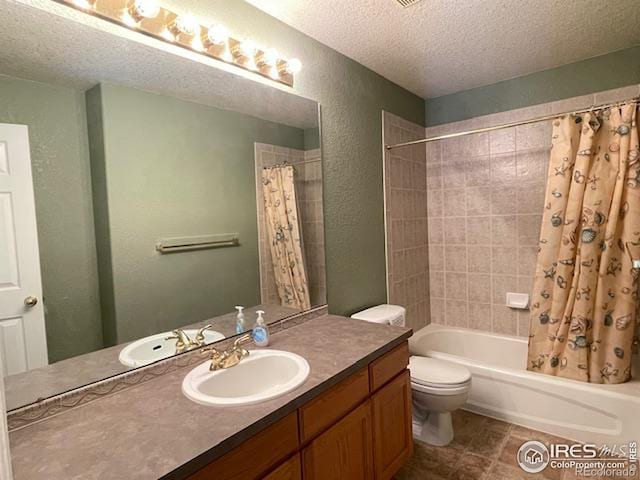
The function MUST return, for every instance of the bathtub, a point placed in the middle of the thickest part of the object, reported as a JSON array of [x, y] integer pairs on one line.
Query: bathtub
[[502, 388]]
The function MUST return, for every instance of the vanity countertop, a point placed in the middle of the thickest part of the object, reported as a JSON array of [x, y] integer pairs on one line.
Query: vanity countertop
[[153, 431]]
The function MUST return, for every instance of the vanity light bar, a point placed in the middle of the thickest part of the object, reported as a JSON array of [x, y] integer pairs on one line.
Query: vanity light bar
[[184, 30]]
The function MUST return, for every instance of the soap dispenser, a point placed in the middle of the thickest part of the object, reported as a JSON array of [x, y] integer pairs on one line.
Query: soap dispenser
[[260, 331], [240, 326]]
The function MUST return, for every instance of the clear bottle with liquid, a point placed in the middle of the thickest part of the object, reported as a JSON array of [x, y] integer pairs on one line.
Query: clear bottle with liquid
[[260, 331], [240, 324]]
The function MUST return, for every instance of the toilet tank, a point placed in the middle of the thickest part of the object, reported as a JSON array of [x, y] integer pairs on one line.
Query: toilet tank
[[385, 314]]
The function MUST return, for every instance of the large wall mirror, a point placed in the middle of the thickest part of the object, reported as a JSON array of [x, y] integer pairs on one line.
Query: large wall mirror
[[144, 194]]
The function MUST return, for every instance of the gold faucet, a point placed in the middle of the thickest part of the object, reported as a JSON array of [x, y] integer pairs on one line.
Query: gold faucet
[[184, 342], [229, 358]]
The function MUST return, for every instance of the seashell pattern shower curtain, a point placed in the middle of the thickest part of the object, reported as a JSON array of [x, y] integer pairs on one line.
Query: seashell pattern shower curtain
[[284, 235], [585, 298]]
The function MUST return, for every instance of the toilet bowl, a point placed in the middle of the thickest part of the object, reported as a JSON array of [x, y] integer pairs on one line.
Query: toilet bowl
[[438, 388]]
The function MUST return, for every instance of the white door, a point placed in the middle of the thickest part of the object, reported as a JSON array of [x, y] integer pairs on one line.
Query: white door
[[23, 343]]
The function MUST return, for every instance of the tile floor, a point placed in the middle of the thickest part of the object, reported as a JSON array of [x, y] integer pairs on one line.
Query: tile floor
[[483, 449]]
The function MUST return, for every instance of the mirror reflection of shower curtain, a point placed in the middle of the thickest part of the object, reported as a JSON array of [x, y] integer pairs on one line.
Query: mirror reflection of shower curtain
[[284, 235]]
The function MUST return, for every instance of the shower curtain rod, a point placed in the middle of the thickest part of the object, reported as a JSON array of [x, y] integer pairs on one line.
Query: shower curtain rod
[[513, 124]]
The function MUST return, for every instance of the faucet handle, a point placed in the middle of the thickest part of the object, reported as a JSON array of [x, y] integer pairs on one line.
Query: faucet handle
[[199, 340], [182, 339], [242, 340]]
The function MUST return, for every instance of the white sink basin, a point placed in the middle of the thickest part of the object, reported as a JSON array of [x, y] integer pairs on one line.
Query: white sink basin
[[156, 347], [263, 375]]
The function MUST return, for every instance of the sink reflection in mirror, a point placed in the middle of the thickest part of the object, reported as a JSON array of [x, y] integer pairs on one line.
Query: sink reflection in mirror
[[157, 183], [163, 345]]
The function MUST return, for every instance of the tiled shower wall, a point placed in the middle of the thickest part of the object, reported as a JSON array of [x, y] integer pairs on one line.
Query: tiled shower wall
[[485, 201], [485, 197], [406, 221], [308, 183]]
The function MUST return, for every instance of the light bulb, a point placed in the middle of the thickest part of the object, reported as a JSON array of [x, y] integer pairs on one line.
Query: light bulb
[[270, 57], [294, 66], [128, 19], [273, 73], [217, 35], [186, 24], [197, 44], [167, 35], [86, 4], [146, 8], [248, 48]]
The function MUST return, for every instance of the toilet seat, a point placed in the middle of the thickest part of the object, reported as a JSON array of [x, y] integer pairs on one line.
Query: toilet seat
[[440, 390], [438, 377]]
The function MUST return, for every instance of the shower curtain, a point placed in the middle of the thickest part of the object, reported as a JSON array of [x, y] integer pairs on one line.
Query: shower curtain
[[284, 235], [585, 298]]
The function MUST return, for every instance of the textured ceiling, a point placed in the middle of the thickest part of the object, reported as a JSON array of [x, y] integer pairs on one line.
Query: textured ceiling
[[436, 47], [44, 41]]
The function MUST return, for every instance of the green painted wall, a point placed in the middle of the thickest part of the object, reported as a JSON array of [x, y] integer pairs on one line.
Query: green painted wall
[[614, 70], [61, 178], [352, 99], [170, 168]]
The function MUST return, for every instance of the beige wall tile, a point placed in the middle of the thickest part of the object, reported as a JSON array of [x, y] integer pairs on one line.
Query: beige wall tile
[[455, 203], [527, 257], [455, 231], [478, 171], [436, 284], [435, 205], [436, 257], [455, 286], [479, 230], [503, 200], [502, 141], [455, 258], [531, 199], [500, 285], [533, 136], [456, 313], [479, 288], [529, 229], [480, 316], [503, 168], [453, 173], [504, 261], [437, 310], [504, 320], [478, 259], [478, 200], [504, 230], [436, 231]]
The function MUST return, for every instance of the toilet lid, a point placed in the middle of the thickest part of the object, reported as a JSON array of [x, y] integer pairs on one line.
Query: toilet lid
[[431, 371]]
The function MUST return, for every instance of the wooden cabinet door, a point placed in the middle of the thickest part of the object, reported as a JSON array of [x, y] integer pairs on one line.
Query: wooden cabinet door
[[344, 451], [289, 470], [392, 437]]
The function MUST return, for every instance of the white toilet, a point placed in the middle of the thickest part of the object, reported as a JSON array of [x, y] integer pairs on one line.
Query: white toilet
[[438, 387]]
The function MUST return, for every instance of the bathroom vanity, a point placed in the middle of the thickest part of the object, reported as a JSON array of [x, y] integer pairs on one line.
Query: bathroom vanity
[[360, 428], [351, 418]]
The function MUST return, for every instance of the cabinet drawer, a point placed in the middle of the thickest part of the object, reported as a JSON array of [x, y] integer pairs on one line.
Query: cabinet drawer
[[332, 405], [253, 458], [289, 470], [391, 364]]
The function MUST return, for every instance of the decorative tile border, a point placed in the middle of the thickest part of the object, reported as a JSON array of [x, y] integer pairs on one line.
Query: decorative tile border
[[64, 402]]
